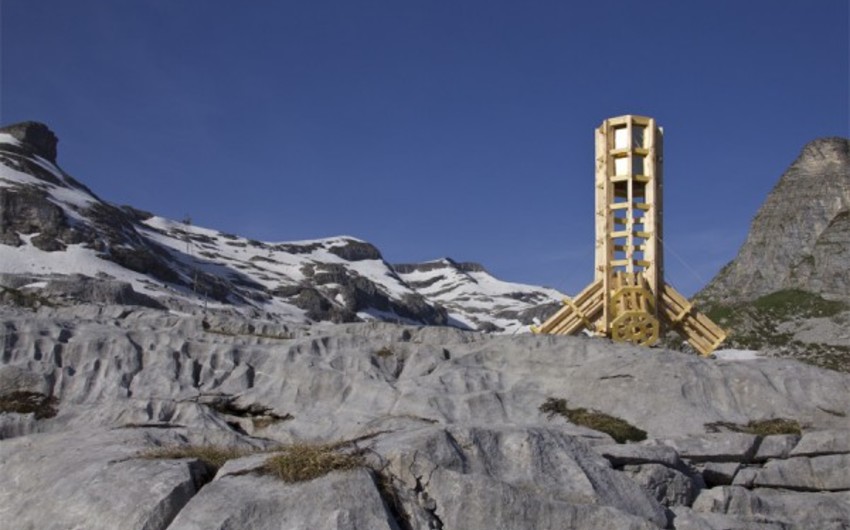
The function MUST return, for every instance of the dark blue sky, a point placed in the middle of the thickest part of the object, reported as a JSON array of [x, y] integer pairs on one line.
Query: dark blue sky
[[429, 127]]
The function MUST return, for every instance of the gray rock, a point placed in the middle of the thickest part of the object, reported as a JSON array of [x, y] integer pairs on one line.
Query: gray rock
[[79, 288], [467, 472], [450, 418], [745, 477], [719, 473], [669, 486], [20, 379], [495, 504], [713, 447], [776, 446], [685, 518], [825, 270], [93, 480], [338, 501], [630, 454], [818, 473], [816, 443], [36, 136], [14, 425], [355, 250], [788, 509]]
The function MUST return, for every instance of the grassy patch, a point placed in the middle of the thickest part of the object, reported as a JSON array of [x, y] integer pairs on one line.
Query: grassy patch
[[16, 297], [29, 402], [300, 462], [620, 430], [292, 463], [759, 427], [794, 302], [213, 455], [261, 422], [385, 352], [755, 325]]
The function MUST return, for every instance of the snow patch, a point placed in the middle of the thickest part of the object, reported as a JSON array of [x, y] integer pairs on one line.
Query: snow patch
[[737, 355]]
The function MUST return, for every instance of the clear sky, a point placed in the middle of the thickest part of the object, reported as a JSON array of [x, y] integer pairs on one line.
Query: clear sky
[[430, 128]]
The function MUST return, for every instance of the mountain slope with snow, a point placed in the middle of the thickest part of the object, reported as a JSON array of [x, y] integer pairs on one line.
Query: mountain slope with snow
[[476, 298], [54, 228]]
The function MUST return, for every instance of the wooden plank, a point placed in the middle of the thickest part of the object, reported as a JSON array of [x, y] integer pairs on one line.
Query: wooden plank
[[699, 330]]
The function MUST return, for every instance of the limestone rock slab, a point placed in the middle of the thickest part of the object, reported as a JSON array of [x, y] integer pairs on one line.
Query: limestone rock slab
[[633, 454], [776, 446], [823, 442], [714, 447], [788, 509], [719, 473], [337, 501], [93, 481], [818, 473], [669, 486]]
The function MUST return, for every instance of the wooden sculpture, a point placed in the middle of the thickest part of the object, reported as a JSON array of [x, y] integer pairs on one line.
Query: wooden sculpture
[[628, 299]]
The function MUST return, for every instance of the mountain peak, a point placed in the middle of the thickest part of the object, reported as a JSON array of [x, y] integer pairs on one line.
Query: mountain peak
[[37, 136], [798, 237], [833, 148]]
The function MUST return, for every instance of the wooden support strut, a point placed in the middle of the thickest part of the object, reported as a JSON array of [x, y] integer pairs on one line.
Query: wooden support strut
[[576, 313]]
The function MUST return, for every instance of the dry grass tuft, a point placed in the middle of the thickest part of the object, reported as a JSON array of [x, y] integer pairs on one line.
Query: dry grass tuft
[[620, 430], [213, 455], [385, 352], [29, 402], [758, 427], [300, 462]]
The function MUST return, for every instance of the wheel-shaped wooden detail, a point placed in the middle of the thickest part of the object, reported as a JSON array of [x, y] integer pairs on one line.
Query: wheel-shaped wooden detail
[[636, 327]]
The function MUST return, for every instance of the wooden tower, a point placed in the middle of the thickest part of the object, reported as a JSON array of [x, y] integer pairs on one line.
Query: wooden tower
[[628, 299]]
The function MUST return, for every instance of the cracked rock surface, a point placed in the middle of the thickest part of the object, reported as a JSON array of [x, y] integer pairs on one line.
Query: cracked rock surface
[[446, 425]]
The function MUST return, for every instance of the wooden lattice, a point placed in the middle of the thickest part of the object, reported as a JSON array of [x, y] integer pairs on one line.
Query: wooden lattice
[[628, 299]]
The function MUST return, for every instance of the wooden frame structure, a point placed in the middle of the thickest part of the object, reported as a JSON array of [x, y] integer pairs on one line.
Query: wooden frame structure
[[628, 299]]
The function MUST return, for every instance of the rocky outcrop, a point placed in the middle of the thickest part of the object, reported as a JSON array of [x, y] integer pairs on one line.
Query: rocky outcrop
[[800, 236], [37, 138], [27, 211], [448, 427]]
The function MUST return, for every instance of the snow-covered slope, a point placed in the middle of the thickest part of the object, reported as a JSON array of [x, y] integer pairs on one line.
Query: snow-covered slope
[[477, 299], [54, 227]]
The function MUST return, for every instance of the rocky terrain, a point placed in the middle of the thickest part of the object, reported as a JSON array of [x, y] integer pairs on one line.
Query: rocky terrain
[[787, 292], [56, 235], [135, 417]]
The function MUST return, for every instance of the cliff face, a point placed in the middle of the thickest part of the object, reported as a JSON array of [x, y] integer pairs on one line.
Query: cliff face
[[800, 238]]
